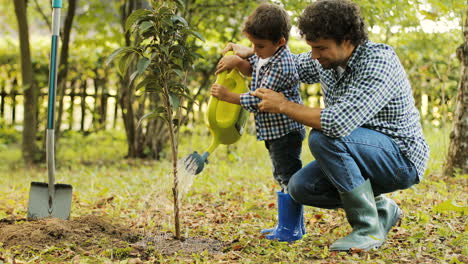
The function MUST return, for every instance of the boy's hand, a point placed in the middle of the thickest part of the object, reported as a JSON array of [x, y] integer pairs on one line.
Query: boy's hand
[[227, 63], [219, 91], [239, 50]]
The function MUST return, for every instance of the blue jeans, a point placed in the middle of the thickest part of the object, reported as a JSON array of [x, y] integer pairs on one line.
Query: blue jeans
[[285, 155], [342, 164]]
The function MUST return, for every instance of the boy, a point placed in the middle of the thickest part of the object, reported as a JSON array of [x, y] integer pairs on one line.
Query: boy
[[272, 66]]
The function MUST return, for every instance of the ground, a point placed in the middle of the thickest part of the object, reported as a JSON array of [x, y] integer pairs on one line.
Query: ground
[[122, 211]]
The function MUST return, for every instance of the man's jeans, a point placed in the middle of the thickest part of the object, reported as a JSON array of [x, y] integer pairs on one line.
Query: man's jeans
[[342, 164]]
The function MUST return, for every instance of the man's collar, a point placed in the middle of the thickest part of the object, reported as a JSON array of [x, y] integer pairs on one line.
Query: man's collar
[[356, 54]]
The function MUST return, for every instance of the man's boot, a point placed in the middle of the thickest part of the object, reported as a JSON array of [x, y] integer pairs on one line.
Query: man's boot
[[361, 212], [290, 220], [389, 212]]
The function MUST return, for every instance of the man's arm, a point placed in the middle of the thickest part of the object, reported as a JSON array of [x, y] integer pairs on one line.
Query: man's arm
[[274, 102]]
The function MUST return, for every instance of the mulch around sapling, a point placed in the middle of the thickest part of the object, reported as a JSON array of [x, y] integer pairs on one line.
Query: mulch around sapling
[[96, 235]]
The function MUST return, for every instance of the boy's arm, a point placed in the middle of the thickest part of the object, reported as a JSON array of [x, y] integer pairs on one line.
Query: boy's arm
[[246, 100], [223, 94], [234, 61], [280, 78], [241, 51]]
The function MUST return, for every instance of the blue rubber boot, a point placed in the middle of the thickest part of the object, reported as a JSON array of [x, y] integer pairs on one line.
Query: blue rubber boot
[[269, 230], [290, 220]]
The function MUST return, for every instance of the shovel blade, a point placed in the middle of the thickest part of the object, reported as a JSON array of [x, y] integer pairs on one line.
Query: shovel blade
[[38, 206]]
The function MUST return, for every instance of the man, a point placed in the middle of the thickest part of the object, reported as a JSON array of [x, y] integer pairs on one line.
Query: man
[[368, 140]]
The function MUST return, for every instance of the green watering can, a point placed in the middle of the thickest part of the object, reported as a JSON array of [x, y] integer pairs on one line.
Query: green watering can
[[226, 121]]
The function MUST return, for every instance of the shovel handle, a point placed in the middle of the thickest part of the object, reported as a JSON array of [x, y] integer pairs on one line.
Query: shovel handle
[[50, 137]]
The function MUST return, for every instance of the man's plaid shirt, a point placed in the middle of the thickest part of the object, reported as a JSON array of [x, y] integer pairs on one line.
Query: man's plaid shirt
[[373, 92], [278, 74]]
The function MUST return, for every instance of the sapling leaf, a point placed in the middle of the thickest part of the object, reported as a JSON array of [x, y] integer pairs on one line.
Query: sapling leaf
[[117, 53], [198, 35], [143, 63], [174, 100], [156, 113], [135, 16], [176, 18]]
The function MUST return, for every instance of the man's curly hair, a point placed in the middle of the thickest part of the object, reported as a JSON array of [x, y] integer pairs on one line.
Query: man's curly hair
[[333, 19], [269, 22]]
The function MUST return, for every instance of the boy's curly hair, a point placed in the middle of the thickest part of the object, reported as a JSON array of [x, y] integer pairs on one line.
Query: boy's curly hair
[[269, 22], [334, 19]]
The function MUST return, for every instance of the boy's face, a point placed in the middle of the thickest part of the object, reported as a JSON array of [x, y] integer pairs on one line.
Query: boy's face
[[265, 48], [330, 54]]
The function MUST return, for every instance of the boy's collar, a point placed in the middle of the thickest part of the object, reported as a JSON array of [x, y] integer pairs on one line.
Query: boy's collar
[[277, 54]]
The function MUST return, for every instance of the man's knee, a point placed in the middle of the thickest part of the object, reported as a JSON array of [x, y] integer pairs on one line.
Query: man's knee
[[296, 189], [318, 142]]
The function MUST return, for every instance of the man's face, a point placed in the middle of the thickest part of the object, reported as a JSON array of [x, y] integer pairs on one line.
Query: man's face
[[265, 48], [330, 54]]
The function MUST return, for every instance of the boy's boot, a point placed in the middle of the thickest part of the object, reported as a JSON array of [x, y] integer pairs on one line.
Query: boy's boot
[[290, 220], [269, 230], [389, 212], [361, 212]]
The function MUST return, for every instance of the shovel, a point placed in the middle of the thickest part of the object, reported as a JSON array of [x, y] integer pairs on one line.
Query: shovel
[[50, 199], [226, 121]]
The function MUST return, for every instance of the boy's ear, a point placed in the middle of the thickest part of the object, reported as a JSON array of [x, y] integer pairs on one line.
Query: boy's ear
[[282, 41]]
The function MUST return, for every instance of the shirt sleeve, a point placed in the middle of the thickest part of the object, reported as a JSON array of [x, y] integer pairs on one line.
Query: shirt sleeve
[[249, 102], [307, 68], [280, 78], [367, 93], [252, 59]]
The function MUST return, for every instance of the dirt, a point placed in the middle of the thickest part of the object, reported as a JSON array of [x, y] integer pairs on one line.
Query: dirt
[[96, 235]]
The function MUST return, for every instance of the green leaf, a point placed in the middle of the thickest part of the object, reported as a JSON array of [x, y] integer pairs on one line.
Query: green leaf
[[124, 62], [179, 73], [174, 100], [180, 19], [450, 205], [198, 35], [133, 76], [145, 25], [136, 16], [143, 64], [156, 113], [118, 52], [180, 4]]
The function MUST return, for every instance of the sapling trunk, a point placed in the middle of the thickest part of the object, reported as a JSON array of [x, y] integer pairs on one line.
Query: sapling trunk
[[174, 145]]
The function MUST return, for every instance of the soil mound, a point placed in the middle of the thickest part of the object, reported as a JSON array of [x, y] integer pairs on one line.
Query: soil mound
[[96, 235]]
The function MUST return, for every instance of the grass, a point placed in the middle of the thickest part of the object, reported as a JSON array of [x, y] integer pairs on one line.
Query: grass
[[231, 201]]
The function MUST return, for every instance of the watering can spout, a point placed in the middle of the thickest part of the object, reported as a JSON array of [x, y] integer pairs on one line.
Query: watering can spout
[[194, 163]]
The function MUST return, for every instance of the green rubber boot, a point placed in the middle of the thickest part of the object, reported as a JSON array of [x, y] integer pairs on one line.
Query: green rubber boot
[[389, 212], [361, 212]]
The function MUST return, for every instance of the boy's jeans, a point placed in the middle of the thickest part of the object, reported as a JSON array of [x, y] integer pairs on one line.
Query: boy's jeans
[[285, 155], [342, 164]]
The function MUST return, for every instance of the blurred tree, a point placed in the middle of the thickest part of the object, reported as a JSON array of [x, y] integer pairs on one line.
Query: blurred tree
[[457, 157], [30, 91]]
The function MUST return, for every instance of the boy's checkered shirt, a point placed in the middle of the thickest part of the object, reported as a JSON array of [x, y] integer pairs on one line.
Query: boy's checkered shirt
[[278, 74], [373, 92]]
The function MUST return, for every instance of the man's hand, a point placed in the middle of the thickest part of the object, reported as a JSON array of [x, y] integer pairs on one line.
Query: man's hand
[[239, 50], [219, 91], [272, 101], [228, 63]]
